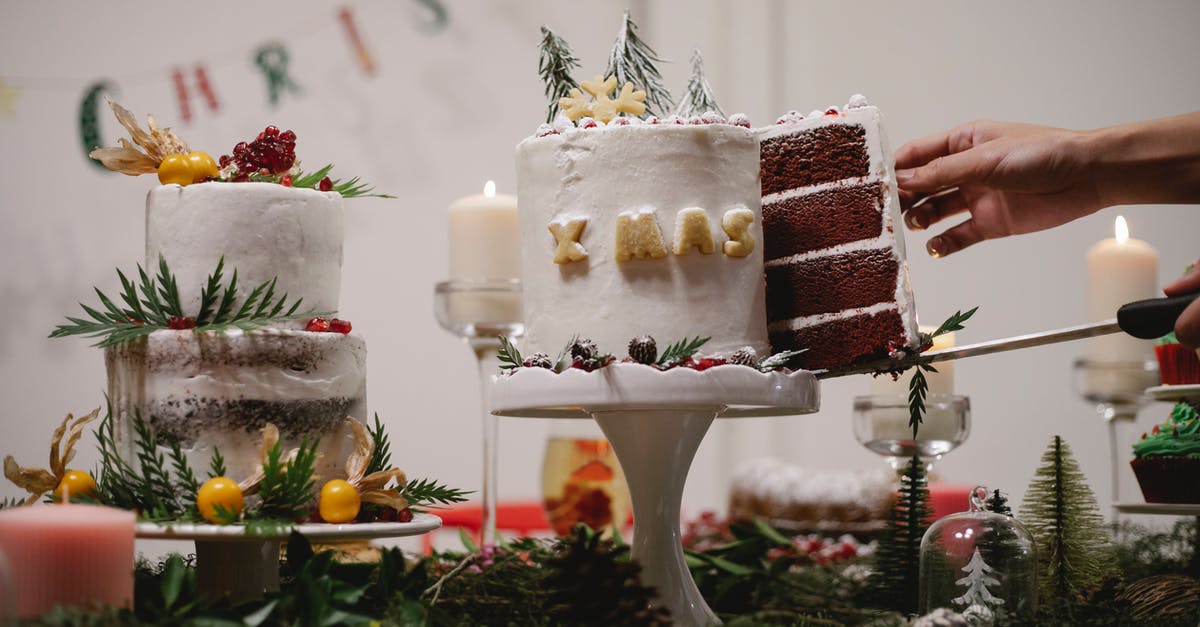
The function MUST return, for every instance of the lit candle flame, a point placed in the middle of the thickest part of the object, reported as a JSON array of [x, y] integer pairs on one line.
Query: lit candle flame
[[1122, 230], [489, 189]]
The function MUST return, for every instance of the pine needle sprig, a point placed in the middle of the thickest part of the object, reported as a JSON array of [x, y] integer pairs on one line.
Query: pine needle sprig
[[150, 305], [509, 355], [680, 350], [555, 63], [187, 485], [779, 360], [216, 465], [918, 390], [633, 60], [155, 489], [698, 98], [955, 322], [422, 493], [381, 454], [287, 486], [115, 479], [348, 188]]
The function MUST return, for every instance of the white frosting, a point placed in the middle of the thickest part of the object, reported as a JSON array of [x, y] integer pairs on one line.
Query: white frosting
[[264, 231], [601, 172], [182, 381], [776, 488], [879, 169]]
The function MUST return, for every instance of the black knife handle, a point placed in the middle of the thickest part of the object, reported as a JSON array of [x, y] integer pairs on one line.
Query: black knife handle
[[1154, 317]]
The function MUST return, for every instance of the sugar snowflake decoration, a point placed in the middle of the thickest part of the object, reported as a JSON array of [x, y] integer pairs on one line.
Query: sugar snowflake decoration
[[601, 107]]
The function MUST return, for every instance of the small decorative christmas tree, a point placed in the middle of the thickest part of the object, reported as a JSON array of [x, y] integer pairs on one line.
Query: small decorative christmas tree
[[1074, 549], [633, 60], [894, 581], [998, 503], [699, 98], [554, 66]]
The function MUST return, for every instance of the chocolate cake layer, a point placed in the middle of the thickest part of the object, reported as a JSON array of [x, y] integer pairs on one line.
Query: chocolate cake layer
[[842, 341], [186, 419], [831, 283], [819, 155], [822, 219]]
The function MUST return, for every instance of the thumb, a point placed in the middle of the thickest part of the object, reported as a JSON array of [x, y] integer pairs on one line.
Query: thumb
[[1189, 282], [959, 168]]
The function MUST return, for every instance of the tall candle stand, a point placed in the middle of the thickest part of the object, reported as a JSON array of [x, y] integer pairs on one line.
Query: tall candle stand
[[1116, 389], [480, 312]]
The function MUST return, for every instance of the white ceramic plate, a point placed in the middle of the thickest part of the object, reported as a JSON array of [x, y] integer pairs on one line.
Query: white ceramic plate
[[738, 391], [1173, 393], [420, 524]]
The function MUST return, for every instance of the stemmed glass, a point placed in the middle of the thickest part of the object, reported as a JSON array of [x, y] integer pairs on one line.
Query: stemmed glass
[[480, 312], [1117, 389], [881, 425]]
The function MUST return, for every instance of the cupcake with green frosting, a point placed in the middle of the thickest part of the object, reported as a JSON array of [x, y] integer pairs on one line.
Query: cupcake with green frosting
[[1167, 460]]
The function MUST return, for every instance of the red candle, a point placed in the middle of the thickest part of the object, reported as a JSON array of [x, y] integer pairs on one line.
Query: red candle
[[65, 555]]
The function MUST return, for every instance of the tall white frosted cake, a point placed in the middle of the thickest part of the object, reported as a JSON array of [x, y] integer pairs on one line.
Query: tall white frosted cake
[[632, 228]]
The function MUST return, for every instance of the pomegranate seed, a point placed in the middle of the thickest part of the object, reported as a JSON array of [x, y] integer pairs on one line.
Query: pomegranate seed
[[271, 131], [318, 325], [288, 136], [179, 323], [339, 326], [325, 185], [404, 515], [286, 180]]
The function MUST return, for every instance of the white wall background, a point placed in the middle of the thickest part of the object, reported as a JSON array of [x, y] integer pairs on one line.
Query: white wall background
[[442, 116]]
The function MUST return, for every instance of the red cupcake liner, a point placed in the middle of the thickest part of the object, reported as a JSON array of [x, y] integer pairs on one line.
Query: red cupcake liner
[[1177, 364], [1168, 479]]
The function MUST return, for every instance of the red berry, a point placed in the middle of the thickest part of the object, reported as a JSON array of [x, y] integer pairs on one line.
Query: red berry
[[404, 515], [325, 185], [287, 136], [318, 325], [831, 111], [180, 323], [286, 180], [339, 326]]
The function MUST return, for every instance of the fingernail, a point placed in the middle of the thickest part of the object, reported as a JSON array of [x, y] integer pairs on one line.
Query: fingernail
[[936, 247], [914, 221], [903, 176]]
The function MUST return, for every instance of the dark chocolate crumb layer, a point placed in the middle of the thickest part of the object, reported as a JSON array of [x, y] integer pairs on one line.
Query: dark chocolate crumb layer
[[186, 419], [831, 283], [843, 341], [822, 219], [823, 154]]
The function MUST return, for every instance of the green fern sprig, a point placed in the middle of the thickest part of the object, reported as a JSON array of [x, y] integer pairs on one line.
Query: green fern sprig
[[150, 304], [421, 493], [680, 350], [509, 355], [185, 480], [381, 454], [955, 322], [918, 390], [216, 465]]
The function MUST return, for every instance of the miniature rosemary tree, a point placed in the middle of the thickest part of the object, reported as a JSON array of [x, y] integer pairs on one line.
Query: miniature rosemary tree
[[1074, 550], [698, 97], [633, 60], [893, 583], [554, 66]]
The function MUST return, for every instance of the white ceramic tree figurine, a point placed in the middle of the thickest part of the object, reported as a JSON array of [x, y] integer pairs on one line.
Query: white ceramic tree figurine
[[978, 579]]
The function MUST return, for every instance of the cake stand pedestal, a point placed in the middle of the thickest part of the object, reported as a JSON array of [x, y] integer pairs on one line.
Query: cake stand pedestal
[[243, 566], [655, 421]]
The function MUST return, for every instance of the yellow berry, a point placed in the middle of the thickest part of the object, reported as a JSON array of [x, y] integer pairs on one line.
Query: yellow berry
[[202, 165], [75, 483], [223, 492], [175, 169], [339, 502]]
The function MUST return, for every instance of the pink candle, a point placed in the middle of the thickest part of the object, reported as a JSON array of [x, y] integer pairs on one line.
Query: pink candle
[[65, 555]]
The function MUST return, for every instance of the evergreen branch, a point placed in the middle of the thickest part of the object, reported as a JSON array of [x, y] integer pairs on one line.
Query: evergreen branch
[[509, 356], [555, 63], [698, 97], [311, 179], [681, 350], [187, 485], [287, 487], [422, 493], [150, 304], [564, 359], [216, 465], [348, 188], [381, 454], [918, 389], [209, 294], [633, 61], [154, 488], [955, 322], [779, 360]]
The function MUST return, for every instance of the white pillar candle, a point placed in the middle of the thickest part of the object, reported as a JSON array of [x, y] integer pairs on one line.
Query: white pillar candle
[[1120, 270], [485, 244]]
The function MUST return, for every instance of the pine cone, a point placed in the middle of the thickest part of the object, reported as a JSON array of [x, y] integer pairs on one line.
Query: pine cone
[[584, 349], [589, 585], [643, 349], [744, 356], [538, 360]]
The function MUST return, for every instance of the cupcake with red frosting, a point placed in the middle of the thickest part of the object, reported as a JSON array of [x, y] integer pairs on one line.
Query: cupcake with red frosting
[[1177, 364], [1167, 460]]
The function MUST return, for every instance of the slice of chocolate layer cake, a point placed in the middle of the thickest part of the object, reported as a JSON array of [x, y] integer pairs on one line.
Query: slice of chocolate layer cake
[[837, 282]]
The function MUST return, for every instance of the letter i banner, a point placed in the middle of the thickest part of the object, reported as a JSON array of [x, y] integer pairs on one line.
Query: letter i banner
[[361, 53], [202, 85]]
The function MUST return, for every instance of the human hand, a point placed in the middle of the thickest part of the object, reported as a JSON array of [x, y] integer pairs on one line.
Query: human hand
[[1011, 178], [1187, 326]]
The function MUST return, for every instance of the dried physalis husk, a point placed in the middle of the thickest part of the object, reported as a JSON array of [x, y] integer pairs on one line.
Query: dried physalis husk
[[372, 488], [157, 144], [38, 481]]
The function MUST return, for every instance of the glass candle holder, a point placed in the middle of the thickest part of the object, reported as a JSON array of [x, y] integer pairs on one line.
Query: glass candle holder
[[881, 425]]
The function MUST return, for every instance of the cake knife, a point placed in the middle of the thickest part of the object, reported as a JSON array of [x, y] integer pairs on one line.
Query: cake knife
[[1144, 319]]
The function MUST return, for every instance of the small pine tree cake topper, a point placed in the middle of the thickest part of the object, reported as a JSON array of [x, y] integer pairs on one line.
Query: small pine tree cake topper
[[634, 61], [554, 66], [698, 98]]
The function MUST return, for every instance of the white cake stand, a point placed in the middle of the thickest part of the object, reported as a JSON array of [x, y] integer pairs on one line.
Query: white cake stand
[[655, 421], [231, 562]]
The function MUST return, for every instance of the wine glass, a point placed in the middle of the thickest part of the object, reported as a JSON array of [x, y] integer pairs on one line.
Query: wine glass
[[881, 425], [480, 313], [1117, 390]]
